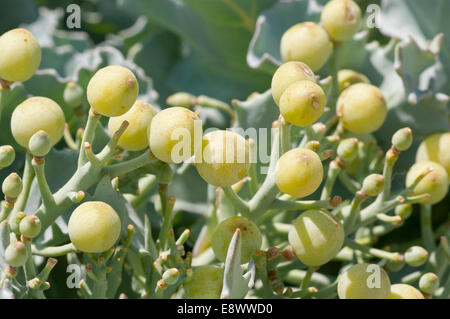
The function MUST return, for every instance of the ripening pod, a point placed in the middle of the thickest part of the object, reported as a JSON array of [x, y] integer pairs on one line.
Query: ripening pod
[[347, 77], [35, 114], [348, 149], [316, 237], [30, 226], [250, 235], [225, 158], [172, 134], [20, 55], [306, 42], [373, 184], [436, 148], [206, 283], [135, 137], [16, 254], [299, 172], [434, 183], [364, 281], [112, 90], [94, 227], [288, 73], [362, 108], [302, 103], [341, 19], [73, 94], [7, 155], [404, 291], [12, 185], [402, 139]]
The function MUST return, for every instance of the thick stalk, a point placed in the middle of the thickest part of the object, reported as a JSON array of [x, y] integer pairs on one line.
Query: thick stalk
[[88, 135], [427, 228]]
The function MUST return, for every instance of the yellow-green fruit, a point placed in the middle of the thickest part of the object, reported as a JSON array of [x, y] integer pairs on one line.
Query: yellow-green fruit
[[94, 227], [225, 158], [364, 281], [435, 148], [139, 117], [250, 235], [20, 55], [171, 134], [112, 90], [362, 108], [404, 291], [299, 172], [347, 77], [316, 237], [302, 103], [306, 42], [434, 183], [206, 283], [16, 254], [341, 19], [287, 74], [35, 114]]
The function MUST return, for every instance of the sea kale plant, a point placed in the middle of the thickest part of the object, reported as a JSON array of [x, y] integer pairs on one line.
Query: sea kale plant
[[330, 180]]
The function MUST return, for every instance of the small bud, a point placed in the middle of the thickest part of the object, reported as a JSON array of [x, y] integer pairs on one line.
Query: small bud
[[416, 256], [402, 139], [373, 184], [429, 282], [170, 276], [319, 129], [395, 265], [182, 99], [404, 211], [7, 155], [313, 146], [73, 94], [30, 226], [40, 144], [16, 254], [12, 186], [348, 149]]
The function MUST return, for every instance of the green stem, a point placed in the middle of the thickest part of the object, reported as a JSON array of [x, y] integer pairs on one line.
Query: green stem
[[27, 180], [54, 251], [333, 172], [396, 257], [88, 135], [278, 204], [306, 279], [236, 200], [130, 165], [427, 228], [285, 135], [145, 190], [46, 194], [352, 217]]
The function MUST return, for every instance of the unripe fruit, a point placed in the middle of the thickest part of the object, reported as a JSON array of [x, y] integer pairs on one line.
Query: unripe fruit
[[73, 94], [348, 149], [7, 155], [316, 237], [170, 276], [94, 227], [416, 256], [302, 103], [112, 90], [362, 108], [12, 185], [20, 55], [434, 183], [182, 99], [364, 281], [373, 184], [16, 254], [288, 73], [395, 265], [341, 19], [40, 144], [172, 127], [429, 283], [404, 291], [139, 117], [436, 148], [251, 238], [35, 114], [206, 283], [226, 158], [306, 42], [402, 139], [30, 226], [404, 211], [347, 77], [299, 172]]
